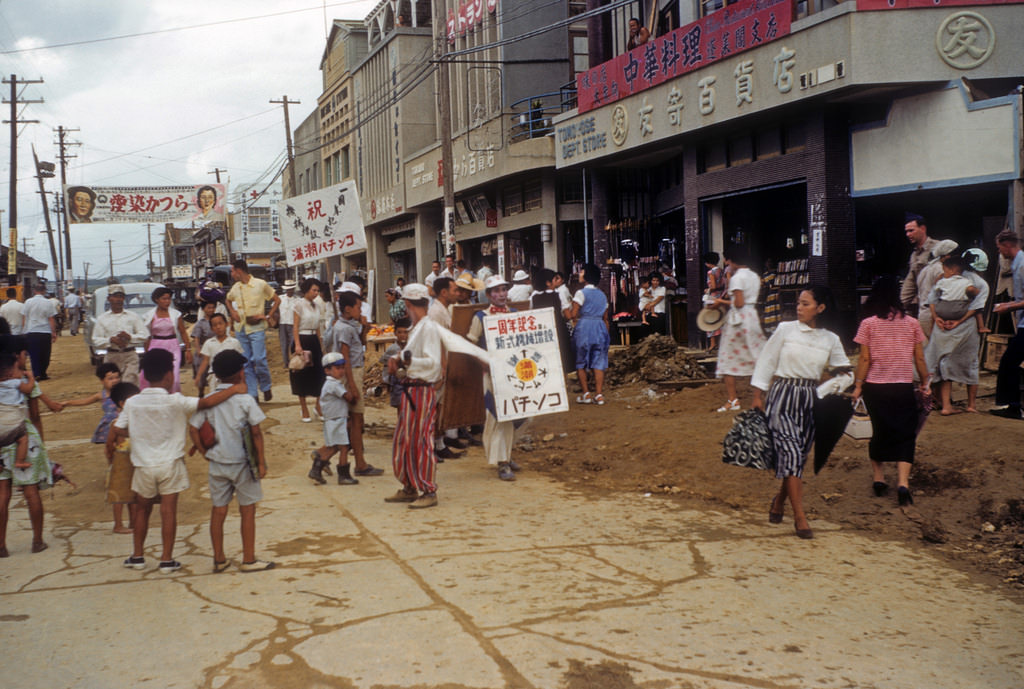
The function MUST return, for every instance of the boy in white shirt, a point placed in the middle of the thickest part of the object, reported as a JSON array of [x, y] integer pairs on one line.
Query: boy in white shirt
[[220, 342], [156, 420], [230, 470]]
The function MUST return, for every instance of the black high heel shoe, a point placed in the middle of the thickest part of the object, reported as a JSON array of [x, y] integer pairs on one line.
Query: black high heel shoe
[[880, 488], [776, 517], [904, 496]]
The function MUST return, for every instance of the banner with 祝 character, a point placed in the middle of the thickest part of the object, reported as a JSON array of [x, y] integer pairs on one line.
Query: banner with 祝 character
[[733, 29], [322, 223], [527, 369], [198, 203]]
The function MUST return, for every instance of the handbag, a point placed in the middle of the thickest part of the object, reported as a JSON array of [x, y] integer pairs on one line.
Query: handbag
[[297, 362], [859, 426], [749, 442]]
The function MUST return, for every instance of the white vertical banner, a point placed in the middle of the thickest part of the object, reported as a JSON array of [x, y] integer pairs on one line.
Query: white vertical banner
[[321, 224], [527, 368], [449, 230]]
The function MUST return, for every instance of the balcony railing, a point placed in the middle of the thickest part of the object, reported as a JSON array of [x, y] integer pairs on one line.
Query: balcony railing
[[533, 117]]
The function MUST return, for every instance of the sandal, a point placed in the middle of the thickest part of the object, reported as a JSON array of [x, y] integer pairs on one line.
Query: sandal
[[730, 405], [219, 567], [599, 400], [584, 398]]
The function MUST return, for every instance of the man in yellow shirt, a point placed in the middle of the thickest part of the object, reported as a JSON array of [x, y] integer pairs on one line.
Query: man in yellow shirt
[[250, 295]]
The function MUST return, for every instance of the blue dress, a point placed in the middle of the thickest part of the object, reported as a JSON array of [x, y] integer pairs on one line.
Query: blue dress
[[591, 335], [109, 416]]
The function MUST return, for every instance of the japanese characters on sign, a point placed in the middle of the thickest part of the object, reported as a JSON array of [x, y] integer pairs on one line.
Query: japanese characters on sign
[[731, 30], [322, 223], [199, 203], [863, 5], [527, 371]]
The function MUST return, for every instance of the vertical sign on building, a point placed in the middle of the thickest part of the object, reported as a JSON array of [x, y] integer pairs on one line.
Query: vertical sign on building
[[449, 230]]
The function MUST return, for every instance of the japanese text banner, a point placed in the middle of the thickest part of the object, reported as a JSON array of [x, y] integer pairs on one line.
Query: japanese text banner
[[733, 29], [915, 4], [199, 203], [322, 223], [527, 368]]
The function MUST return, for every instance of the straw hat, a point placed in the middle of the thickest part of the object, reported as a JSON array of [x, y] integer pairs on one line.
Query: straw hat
[[709, 319]]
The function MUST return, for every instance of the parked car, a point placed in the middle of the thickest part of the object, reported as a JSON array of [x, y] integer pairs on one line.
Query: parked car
[[137, 299]]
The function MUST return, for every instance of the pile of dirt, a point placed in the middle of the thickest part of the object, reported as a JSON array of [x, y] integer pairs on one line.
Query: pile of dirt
[[658, 358]]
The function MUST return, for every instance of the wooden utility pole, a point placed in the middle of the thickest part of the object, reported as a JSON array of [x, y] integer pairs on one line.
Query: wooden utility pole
[[444, 109], [45, 170], [63, 156], [217, 171], [12, 215], [110, 256], [288, 139], [149, 238]]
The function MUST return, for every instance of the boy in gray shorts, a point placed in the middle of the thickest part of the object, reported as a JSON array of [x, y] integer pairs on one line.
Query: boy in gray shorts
[[230, 471]]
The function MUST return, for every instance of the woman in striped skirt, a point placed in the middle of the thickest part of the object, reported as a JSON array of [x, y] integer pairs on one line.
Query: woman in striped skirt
[[796, 356]]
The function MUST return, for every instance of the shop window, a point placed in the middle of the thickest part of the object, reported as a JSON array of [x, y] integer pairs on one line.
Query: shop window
[[741, 150], [580, 52], [794, 138], [346, 171], [769, 143], [570, 189], [259, 220], [533, 196], [706, 7], [513, 197]]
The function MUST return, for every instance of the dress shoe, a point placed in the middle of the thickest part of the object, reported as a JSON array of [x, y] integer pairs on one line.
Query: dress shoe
[[455, 443], [904, 497], [267, 395], [805, 533], [880, 488], [1007, 412], [446, 453], [425, 500], [775, 517]]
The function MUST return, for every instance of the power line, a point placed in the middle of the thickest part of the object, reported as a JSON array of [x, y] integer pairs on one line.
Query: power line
[[173, 29]]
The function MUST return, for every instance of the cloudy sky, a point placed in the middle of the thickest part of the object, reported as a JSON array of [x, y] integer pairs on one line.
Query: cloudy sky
[[159, 108]]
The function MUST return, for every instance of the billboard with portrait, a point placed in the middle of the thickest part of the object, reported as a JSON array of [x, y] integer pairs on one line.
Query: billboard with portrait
[[197, 203]]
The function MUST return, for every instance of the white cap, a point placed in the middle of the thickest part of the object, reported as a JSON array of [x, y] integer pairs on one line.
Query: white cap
[[520, 276], [333, 358], [415, 291], [350, 287], [495, 281], [944, 248]]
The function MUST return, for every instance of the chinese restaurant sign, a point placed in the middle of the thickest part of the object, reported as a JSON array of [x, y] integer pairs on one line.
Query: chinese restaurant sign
[[916, 4], [321, 224], [526, 369], [731, 30], [199, 203]]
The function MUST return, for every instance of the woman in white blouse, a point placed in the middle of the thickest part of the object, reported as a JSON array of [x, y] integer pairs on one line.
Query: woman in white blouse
[[307, 382], [796, 356], [742, 337]]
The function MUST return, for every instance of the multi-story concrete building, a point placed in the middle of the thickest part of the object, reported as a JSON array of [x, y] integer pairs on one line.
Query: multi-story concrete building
[[257, 231], [801, 131]]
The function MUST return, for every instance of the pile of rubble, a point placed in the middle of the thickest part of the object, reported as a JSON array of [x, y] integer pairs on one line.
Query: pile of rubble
[[658, 358]]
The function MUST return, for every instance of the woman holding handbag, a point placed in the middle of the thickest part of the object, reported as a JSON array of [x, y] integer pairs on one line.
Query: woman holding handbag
[[891, 348], [307, 379], [796, 357], [742, 337]]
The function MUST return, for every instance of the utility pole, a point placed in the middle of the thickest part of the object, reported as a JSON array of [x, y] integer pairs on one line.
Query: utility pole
[[110, 255], [12, 217], [149, 238], [45, 170], [444, 108], [217, 170], [288, 138], [85, 286], [58, 210], [61, 132]]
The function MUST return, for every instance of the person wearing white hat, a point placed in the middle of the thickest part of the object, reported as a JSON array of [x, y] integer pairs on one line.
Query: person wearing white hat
[[928, 276], [521, 288], [285, 328], [413, 457], [498, 435]]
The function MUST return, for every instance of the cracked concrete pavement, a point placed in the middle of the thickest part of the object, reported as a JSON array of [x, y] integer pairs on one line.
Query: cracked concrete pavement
[[526, 584]]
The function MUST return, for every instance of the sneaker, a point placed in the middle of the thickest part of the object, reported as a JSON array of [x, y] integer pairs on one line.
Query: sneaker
[[368, 470], [169, 566], [256, 566], [1007, 412], [401, 496], [505, 472], [425, 500], [731, 405], [135, 563]]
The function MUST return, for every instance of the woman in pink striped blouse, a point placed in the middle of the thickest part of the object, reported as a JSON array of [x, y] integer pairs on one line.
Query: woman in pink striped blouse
[[890, 349]]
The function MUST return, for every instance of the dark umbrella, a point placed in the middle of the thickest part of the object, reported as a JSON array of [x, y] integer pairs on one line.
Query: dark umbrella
[[831, 415]]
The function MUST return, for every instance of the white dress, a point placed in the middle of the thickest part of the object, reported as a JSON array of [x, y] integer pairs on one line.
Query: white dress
[[742, 337]]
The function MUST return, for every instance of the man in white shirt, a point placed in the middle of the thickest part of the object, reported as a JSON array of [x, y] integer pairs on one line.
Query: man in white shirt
[[440, 312], [11, 311], [119, 332], [450, 271], [286, 322], [156, 420], [521, 288], [73, 309], [435, 273], [39, 325]]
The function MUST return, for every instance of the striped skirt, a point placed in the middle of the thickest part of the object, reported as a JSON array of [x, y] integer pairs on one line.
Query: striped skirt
[[790, 410], [412, 451]]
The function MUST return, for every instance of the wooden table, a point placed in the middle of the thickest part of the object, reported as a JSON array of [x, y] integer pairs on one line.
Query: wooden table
[[625, 327]]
